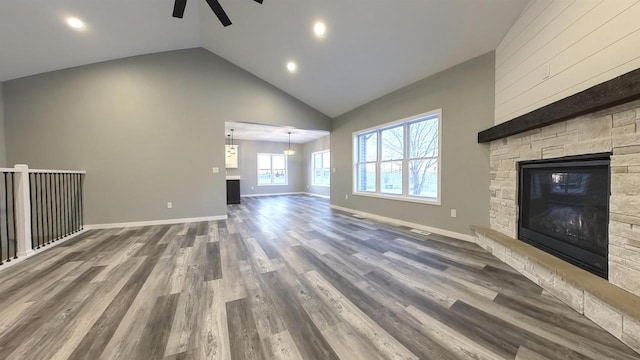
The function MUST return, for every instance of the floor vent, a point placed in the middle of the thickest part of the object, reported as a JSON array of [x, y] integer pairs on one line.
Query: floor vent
[[422, 232]]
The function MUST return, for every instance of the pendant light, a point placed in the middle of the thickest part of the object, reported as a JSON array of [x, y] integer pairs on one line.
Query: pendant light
[[232, 150], [289, 151], [227, 143]]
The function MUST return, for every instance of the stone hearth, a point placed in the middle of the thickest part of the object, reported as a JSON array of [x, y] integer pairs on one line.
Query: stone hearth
[[614, 309]]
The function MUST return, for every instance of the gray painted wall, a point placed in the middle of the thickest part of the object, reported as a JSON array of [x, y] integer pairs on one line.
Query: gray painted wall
[[3, 154], [248, 167], [324, 143], [147, 129], [466, 95]]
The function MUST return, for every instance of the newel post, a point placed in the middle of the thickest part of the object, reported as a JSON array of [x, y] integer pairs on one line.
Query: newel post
[[23, 210]]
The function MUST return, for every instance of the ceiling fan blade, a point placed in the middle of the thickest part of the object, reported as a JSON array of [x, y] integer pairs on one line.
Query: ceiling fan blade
[[258, 1], [217, 9], [178, 8]]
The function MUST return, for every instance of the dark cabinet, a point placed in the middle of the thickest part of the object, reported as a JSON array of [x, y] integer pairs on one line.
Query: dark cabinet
[[233, 191]]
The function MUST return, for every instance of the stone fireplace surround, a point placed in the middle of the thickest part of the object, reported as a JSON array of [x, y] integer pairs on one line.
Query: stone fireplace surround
[[614, 305], [612, 130]]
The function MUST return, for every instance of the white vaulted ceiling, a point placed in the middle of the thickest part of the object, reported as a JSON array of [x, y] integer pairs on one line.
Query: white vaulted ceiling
[[372, 47], [34, 37]]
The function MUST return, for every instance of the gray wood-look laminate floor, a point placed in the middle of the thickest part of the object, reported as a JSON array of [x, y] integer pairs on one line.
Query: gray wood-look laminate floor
[[284, 278]]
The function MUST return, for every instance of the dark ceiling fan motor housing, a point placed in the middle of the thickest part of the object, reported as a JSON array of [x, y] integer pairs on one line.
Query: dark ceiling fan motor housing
[[179, 5]]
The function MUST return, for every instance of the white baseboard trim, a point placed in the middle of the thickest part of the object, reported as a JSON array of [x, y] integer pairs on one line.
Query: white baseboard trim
[[272, 194], [34, 252], [317, 195], [156, 222], [453, 234]]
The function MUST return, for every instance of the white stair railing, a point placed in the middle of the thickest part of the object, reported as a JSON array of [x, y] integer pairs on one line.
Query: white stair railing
[[38, 207]]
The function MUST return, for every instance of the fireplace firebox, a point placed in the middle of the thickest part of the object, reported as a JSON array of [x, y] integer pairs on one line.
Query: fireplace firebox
[[564, 209]]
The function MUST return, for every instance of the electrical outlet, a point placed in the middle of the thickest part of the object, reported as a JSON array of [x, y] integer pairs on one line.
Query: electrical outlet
[[169, 205], [253, 188], [346, 196], [545, 71], [454, 213]]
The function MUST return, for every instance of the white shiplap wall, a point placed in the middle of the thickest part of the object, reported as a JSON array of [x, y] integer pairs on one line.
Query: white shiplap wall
[[578, 43]]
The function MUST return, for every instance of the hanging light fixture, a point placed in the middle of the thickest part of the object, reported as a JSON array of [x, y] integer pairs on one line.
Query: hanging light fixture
[[289, 151], [232, 150], [227, 143]]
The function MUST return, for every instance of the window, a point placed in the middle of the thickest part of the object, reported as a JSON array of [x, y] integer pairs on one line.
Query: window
[[321, 161], [272, 169], [400, 160], [569, 183]]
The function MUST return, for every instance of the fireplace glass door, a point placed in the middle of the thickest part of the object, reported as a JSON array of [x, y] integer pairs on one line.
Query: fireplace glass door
[[564, 209]]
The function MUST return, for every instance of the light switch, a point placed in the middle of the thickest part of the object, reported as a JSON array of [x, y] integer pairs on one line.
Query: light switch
[[215, 170]]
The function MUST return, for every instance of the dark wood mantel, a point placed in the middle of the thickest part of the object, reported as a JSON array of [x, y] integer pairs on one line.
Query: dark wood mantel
[[614, 92]]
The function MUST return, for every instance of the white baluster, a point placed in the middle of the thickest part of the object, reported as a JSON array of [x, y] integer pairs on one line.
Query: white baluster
[[23, 210]]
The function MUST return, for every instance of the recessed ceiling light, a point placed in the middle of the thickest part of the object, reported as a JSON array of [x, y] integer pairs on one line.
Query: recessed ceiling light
[[75, 23], [320, 29], [292, 67]]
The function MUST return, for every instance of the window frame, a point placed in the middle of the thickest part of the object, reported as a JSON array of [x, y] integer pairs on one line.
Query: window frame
[[405, 160], [313, 167], [286, 169]]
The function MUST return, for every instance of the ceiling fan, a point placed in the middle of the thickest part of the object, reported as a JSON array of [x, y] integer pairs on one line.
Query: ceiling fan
[[179, 5]]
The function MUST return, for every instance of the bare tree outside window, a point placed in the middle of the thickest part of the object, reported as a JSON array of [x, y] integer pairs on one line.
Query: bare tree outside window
[[423, 158], [403, 155]]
